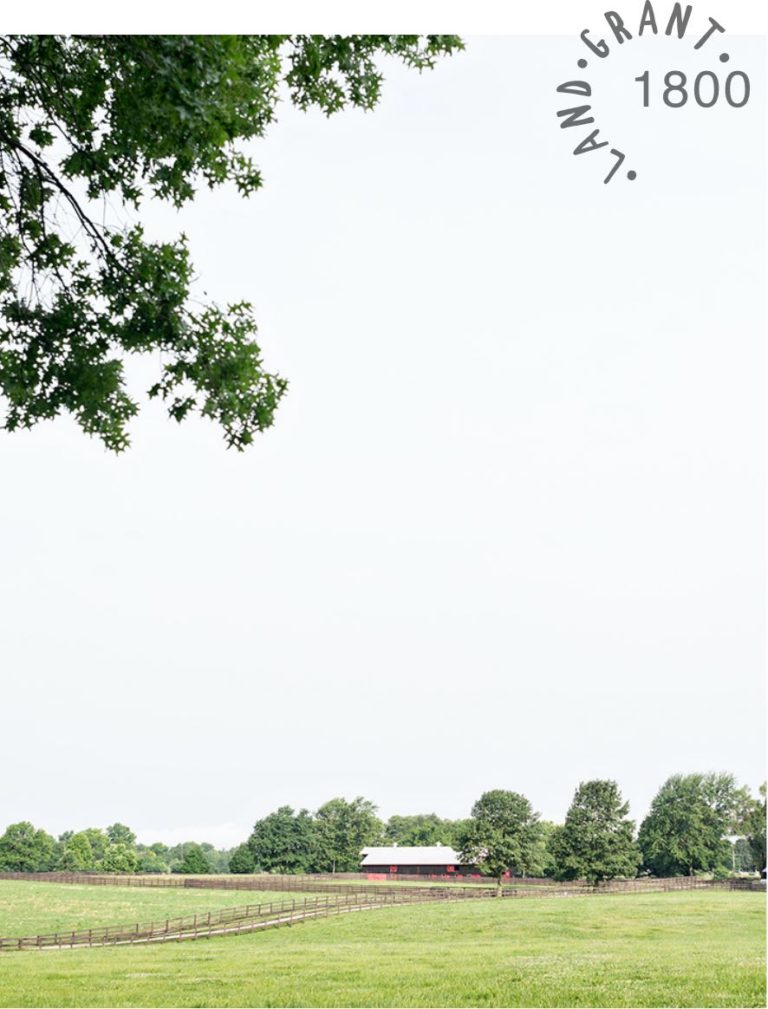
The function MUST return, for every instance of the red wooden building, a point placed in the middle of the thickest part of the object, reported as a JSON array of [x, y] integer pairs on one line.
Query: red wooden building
[[439, 860]]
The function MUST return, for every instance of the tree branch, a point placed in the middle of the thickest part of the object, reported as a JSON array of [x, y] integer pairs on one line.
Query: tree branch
[[41, 166]]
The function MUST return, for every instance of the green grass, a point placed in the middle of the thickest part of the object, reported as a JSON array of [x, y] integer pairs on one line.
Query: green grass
[[665, 949], [38, 908]]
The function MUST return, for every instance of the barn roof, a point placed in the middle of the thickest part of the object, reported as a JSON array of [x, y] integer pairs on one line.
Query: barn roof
[[440, 854]]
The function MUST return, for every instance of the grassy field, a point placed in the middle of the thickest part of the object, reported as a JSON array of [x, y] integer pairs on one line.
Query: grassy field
[[37, 908], [665, 949]]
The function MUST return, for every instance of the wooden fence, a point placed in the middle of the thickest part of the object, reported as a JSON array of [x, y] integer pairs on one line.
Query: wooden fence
[[227, 921], [324, 884], [290, 884]]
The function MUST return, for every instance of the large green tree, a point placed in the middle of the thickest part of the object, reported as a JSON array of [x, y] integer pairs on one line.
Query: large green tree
[[503, 835], [99, 844], [686, 827], [597, 840], [150, 861], [341, 829], [76, 854], [751, 825], [91, 120], [241, 860], [120, 857], [283, 841], [193, 861], [25, 849], [423, 829], [118, 833]]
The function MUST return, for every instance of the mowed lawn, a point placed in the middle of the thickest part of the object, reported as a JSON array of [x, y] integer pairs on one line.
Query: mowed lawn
[[38, 908], [665, 949]]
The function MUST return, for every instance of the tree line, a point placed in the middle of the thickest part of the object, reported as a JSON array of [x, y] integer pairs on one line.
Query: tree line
[[690, 828], [23, 848]]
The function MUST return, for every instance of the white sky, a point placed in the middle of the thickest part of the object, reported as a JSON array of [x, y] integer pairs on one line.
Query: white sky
[[508, 529]]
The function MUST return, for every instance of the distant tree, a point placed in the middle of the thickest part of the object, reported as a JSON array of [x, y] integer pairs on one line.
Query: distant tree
[[597, 840], [77, 854], [118, 833], [149, 861], [544, 859], [120, 858], [419, 829], [88, 121], [25, 849], [552, 836], [685, 830], [194, 861], [99, 843], [241, 859], [341, 829], [751, 825], [456, 831], [743, 856], [283, 841], [504, 835]]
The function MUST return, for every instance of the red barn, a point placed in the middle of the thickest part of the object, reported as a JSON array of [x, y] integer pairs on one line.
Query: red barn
[[439, 860]]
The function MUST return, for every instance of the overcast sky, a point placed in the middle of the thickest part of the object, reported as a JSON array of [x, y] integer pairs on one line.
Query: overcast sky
[[508, 529]]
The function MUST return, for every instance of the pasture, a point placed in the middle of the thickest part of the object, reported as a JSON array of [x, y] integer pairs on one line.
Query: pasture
[[33, 908], [695, 948]]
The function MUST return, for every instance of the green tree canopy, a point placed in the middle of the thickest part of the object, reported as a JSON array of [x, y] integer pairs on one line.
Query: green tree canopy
[[341, 829], [545, 859], [503, 835], [751, 824], [99, 844], [120, 858], [241, 859], [25, 849], [76, 854], [193, 861], [90, 118], [148, 860], [118, 833], [685, 830], [421, 829], [597, 840], [283, 841]]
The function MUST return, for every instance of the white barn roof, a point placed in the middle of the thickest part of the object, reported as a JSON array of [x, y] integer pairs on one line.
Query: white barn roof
[[439, 855]]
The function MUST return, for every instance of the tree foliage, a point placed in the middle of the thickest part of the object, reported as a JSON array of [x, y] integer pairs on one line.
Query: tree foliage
[[685, 830], [194, 861], [503, 835], [341, 829], [120, 857], [148, 861], [118, 833], [752, 826], [86, 120], [426, 829], [25, 849], [77, 854], [241, 860], [283, 841], [597, 840]]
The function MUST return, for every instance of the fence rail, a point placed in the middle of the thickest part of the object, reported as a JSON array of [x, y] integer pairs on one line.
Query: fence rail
[[324, 884], [256, 882], [227, 920]]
